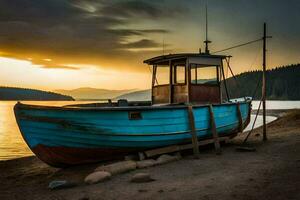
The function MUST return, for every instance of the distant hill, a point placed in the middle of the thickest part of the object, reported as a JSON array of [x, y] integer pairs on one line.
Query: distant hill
[[87, 93], [142, 95], [13, 93], [283, 83]]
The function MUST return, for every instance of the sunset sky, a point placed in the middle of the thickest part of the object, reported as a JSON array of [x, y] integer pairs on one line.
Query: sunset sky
[[66, 44]]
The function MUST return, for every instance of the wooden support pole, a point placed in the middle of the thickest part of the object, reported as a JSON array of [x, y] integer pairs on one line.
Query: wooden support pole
[[193, 131], [241, 128], [264, 84], [153, 82], [171, 83], [188, 79], [225, 84], [214, 131]]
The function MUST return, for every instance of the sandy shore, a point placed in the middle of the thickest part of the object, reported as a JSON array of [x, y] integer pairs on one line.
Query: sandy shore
[[272, 172]]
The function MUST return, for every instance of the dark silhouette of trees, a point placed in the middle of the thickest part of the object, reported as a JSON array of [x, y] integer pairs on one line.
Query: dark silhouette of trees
[[283, 83], [13, 93]]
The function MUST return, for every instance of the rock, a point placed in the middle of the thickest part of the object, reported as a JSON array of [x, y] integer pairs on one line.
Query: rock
[[166, 158], [142, 190], [97, 177], [60, 184], [119, 167], [131, 157], [145, 163], [245, 149], [141, 178], [84, 197], [141, 156]]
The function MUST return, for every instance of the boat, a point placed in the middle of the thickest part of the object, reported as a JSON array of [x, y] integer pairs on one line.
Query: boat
[[88, 133]]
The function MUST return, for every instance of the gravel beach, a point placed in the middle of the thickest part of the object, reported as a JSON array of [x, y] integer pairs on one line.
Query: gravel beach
[[271, 172]]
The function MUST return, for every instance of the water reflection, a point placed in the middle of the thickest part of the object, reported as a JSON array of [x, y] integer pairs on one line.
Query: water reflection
[[12, 144]]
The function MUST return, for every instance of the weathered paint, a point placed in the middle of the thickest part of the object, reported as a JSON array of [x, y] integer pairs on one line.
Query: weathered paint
[[58, 133]]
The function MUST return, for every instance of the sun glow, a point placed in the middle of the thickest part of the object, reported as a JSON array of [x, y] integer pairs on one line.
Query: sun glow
[[23, 73]]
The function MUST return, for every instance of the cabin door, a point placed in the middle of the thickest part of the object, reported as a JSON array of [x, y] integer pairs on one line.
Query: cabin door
[[179, 84], [160, 84]]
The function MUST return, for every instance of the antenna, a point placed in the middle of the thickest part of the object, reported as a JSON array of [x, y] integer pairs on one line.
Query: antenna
[[206, 35], [163, 45]]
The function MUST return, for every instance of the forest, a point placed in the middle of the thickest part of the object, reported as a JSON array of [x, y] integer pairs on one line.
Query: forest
[[283, 83], [14, 93]]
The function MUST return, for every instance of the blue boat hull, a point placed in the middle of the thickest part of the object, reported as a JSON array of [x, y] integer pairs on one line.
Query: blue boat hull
[[63, 136]]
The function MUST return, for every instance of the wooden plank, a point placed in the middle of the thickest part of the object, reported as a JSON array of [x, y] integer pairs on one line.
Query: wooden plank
[[193, 131], [171, 83], [163, 150], [240, 118], [188, 79], [153, 82], [176, 148], [214, 130]]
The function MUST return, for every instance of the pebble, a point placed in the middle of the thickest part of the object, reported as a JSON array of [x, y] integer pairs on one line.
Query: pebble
[[97, 177], [130, 157], [141, 178], [245, 149], [119, 167], [166, 158], [84, 197], [145, 163], [60, 184]]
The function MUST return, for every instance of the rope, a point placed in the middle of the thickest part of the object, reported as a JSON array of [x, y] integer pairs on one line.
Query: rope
[[249, 133], [259, 77], [234, 77], [258, 82], [239, 45], [151, 73]]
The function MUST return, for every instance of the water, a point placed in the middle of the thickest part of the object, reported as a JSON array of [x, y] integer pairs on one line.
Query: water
[[12, 144], [281, 105]]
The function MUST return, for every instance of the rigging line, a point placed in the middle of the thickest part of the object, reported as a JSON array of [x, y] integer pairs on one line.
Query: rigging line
[[259, 77], [227, 69], [252, 124], [255, 59], [239, 45], [151, 73], [234, 77], [258, 83]]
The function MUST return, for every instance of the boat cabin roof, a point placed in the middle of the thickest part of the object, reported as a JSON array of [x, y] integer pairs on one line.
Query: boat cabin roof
[[164, 59], [191, 78]]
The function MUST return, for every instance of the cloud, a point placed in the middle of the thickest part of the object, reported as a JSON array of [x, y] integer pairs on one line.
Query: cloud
[[144, 43], [59, 67], [67, 30]]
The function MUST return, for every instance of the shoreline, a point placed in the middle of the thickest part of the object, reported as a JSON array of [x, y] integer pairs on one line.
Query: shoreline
[[272, 112], [271, 172]]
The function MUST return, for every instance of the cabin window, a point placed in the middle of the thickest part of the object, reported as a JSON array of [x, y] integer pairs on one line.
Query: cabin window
[[201, 74], [179, 74], [162, 76]]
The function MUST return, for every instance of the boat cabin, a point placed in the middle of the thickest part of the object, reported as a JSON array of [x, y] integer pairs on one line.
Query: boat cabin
[[187, 78]]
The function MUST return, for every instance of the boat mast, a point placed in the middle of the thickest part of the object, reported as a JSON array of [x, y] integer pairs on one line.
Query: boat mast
[[206, 39]]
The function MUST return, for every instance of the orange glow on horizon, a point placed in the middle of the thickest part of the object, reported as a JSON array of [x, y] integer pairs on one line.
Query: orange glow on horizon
[[23, 73]]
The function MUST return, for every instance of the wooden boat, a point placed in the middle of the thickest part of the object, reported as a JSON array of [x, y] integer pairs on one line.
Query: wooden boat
[[71, 135]]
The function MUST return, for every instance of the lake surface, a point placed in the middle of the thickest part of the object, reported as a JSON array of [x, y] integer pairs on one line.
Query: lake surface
[[13, 146]]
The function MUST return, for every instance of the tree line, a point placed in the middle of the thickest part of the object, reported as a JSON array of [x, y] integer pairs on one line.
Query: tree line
[[283, 83], [14, 93]]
